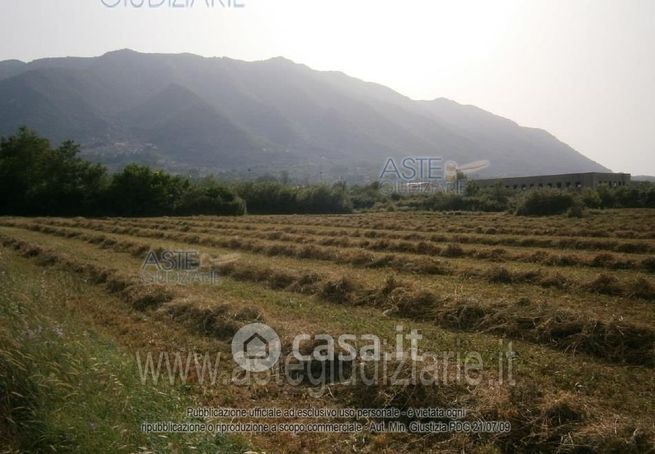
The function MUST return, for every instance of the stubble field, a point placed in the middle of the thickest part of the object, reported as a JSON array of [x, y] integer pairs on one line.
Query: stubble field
[[573, 298]]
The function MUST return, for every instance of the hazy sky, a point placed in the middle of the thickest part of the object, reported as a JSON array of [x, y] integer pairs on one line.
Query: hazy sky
[[582, 69]]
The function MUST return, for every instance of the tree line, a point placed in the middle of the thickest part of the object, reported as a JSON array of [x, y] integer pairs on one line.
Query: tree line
[[533, 202], [37, 179]]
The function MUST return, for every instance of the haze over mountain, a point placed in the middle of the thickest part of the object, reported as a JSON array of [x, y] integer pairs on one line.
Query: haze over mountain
[[185, 112]]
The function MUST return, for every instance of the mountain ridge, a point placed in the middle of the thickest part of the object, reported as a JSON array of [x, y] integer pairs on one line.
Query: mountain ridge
[[266, 116]]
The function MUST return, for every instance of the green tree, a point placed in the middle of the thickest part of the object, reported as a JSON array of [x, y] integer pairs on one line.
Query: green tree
[[210, 198], [544, 202], [140, 191], [36, 179]]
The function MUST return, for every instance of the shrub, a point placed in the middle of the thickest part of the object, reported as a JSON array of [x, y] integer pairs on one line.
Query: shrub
[[210, 198], [591, 199], [544, 202], [278, 198], [577, 209]]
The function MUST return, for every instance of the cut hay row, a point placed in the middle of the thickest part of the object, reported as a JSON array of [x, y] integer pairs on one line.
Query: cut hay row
[[419, 265], [605, 284], [613, 341], [449, 250], [437, 236], [541, 423], [217, 321], [540, 418], [489, 225]]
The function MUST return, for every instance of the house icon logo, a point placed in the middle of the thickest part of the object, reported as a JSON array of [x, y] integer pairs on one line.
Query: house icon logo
[[256, 347]]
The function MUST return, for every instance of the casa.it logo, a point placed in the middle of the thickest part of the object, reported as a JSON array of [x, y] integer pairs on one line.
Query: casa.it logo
[[256, 347]]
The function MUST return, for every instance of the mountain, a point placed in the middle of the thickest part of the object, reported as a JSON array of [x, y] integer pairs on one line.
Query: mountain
[[186, 112]]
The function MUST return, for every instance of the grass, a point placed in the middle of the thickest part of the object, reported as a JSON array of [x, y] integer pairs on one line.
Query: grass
[[582, 328], [361, 259], [563, 329], [66, 387]]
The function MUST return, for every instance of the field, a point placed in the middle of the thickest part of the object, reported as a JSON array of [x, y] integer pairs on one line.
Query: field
[[569, 301]]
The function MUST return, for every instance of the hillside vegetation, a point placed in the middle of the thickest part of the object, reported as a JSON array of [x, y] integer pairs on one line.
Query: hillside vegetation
[[183, 112]]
